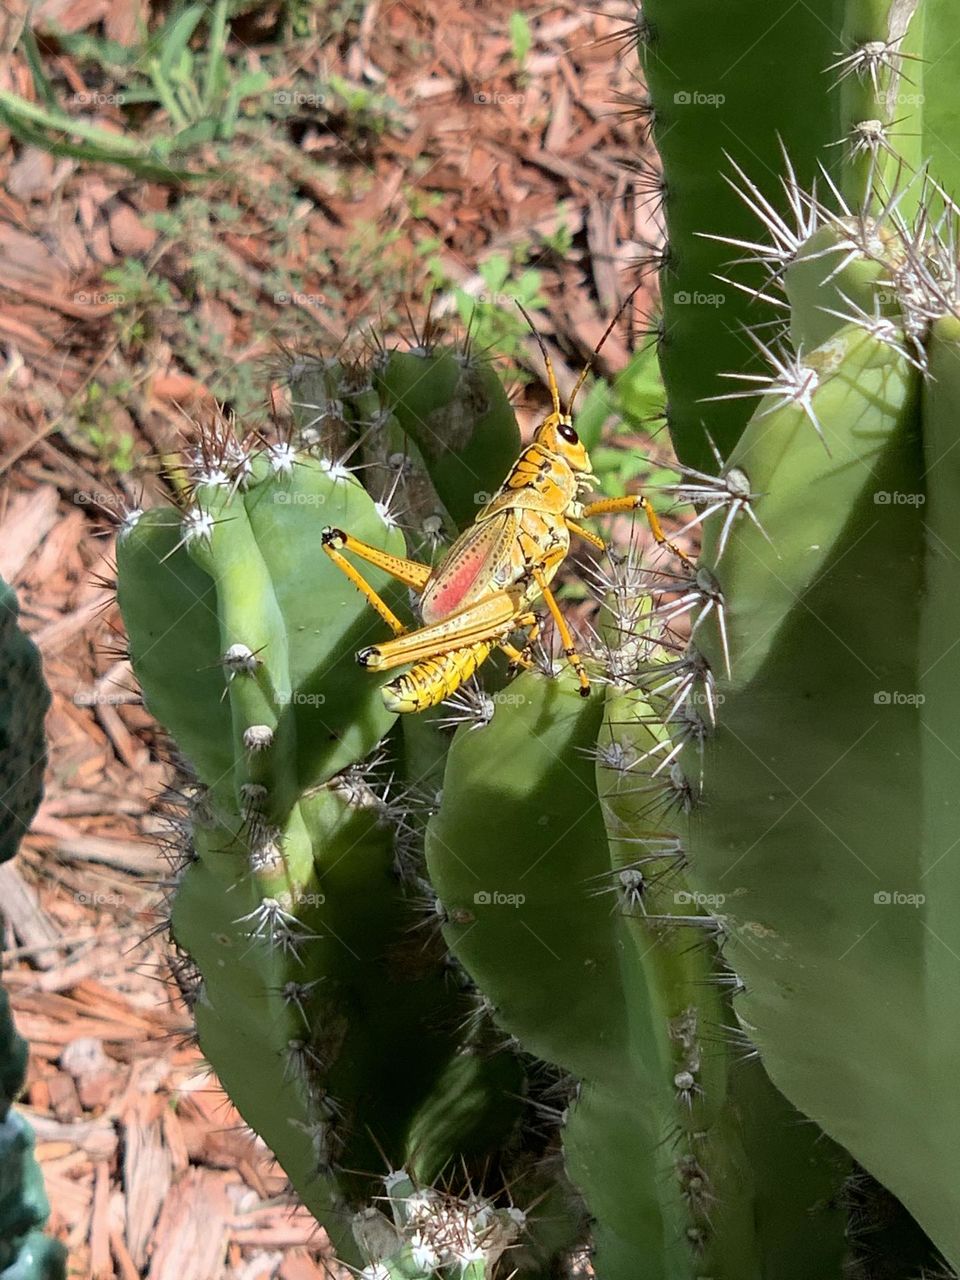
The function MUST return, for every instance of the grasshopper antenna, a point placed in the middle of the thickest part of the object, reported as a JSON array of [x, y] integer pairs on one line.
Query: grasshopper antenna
[[585, 371], [551, 376]]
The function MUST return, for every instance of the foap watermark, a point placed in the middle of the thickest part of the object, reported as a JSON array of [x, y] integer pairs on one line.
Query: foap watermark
[[93, 98], [696, 299], [99, 498], [284, 299], [294, 98], [694, 98], [99, 898], [502, 300], [705, 698], [289, 498], [895, 898], [497, 99], [507, 699], [297, 698], [894, 498], [899, 99], [100, 298], [100, 698], [897, 698], [687, 898], [288, 900], [494, 898]]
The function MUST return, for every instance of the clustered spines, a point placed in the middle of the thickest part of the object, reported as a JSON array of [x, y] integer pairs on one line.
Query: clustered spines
[[916, 255], [273, 925], [403, 807], [240, 660], [729, 492], [197, 526], [866, 61], [221, 456], [258, 738], [434, 1232], [792, 381], [128, 522]]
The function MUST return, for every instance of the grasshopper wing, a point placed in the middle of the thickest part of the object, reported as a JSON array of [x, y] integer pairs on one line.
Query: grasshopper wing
[[481, 561]]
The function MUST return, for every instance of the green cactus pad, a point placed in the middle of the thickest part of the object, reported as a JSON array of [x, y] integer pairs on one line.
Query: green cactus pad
[[455, 410], [830, 749], [579, 972], [726, 85], [324, 1001]]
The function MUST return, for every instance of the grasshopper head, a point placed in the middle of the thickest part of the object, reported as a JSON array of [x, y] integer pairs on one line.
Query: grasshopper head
[[557, 435]]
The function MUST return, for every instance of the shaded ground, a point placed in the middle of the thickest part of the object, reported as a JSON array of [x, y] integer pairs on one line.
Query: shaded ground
[[398, 149]]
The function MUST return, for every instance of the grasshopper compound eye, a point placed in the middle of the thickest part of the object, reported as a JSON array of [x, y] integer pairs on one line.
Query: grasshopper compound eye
[[566, 432]]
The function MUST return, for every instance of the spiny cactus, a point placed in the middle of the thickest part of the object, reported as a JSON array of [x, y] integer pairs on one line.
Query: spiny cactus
[[853, 93], [430, 1233], [25, 1252], [571, 909], [828, 808], [323, 994], [828, 840], [714, 821]]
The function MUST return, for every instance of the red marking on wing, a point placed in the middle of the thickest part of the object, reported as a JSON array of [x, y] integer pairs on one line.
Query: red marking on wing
[[456, 584], [470, 561]]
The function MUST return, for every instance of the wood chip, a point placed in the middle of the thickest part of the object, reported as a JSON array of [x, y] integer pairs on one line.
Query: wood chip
[[33, 927], [97, 1137], [146, 1177], [26, 522], [100, 1264], [129, 235], [191, 1235]]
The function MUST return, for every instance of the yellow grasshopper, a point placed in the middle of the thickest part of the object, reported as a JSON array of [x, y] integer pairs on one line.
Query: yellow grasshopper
[[485, 586]]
